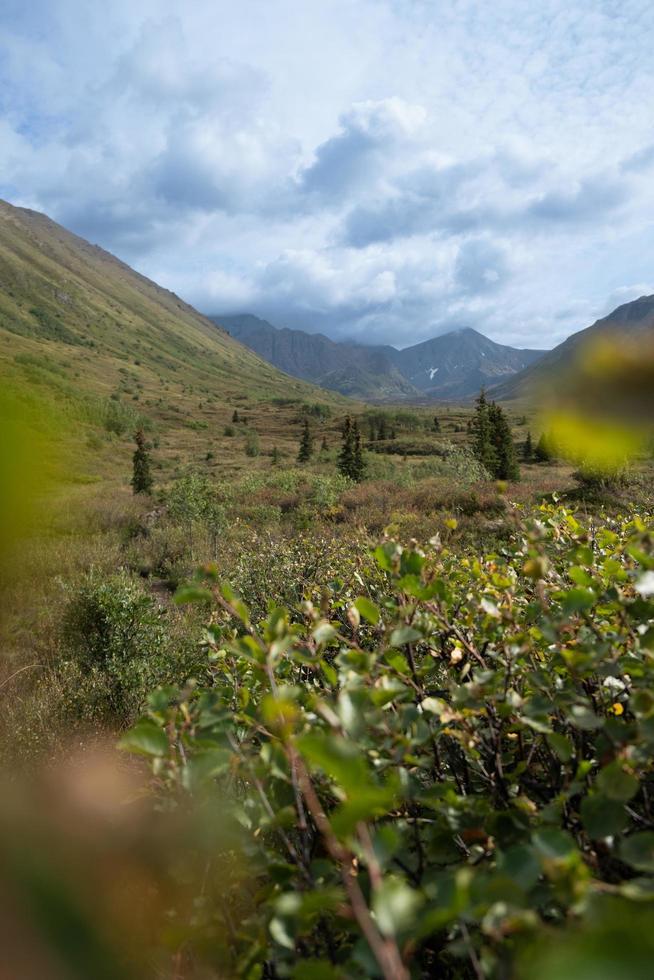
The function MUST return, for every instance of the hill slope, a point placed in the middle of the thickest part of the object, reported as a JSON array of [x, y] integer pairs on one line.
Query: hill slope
[[83, 327], [632, 321], [452, 366]]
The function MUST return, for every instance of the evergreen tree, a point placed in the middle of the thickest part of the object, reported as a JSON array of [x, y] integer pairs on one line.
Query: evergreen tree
[[346, 455], [482, 434], [358, 462], [306, 444], [382, 433], [544, 449], [141, 476], [437, 425], [235, 416], [529, 447], [373, 430], [506, 460]]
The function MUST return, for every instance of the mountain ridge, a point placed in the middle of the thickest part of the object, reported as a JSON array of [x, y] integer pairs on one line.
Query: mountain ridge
[[461, 361]]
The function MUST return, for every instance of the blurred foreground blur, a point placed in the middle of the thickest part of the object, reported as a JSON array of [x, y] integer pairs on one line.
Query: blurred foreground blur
[[600, 414], [97, 881]]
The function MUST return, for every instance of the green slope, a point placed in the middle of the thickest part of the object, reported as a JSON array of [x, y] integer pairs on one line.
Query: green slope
[[81, 326]]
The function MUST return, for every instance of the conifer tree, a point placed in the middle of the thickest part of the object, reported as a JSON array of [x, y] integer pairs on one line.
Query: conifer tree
[[506, 460], [482, 434], [306, 444], [358, 462], [529, 447], [544, 449], [346, 455], [382, 433], [437, 425], [235, 416], [141, 476]]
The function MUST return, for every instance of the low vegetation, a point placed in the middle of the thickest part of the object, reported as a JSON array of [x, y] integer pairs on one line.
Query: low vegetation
[[435, 765]]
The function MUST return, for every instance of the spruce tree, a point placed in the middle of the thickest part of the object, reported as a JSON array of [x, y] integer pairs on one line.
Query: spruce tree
[[141, 476], [544, 450], [528, 451], [346, 455], [506, 460], [482, 433], [306, 444], [358, 462], [382, 433]]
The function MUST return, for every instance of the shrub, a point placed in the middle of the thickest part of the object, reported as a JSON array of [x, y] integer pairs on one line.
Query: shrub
[[114, 642], [252, 446], [444, 761]]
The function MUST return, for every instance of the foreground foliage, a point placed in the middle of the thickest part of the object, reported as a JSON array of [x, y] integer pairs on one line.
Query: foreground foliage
[[435, 768]]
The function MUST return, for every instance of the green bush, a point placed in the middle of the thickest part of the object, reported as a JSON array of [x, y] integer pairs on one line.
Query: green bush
[[444, 762], [115, 645], [252, 445]]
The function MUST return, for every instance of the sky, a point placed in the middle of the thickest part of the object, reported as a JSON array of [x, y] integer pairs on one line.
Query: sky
[[384, 170]]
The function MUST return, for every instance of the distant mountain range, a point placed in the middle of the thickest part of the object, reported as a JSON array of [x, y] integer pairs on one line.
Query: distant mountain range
[[450, 367]]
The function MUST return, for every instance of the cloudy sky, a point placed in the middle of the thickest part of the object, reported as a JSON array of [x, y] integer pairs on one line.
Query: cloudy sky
[[379, 169]]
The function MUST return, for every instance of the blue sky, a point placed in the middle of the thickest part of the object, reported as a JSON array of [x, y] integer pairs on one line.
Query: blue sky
[[378, 169]]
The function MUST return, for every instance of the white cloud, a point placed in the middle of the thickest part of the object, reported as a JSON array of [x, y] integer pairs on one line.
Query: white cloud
[[380, 169]]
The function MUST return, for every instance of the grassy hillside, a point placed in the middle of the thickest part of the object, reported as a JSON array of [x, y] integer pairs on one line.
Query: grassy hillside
[[113, 348], [632, 323]]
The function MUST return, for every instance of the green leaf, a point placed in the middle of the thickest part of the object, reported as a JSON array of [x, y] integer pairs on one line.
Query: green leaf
[[209, 763], [638, 851], [339, 758], [279, 930], [395, 906], [562, 745], [582, 717], [578, 600], [191, 593], [616, 783], [368, 610], [146, 738], [580, 576], [323, 633], [602, 817], [403, 635], [368, 803], [553, 843], [521, 865], [311, 969]]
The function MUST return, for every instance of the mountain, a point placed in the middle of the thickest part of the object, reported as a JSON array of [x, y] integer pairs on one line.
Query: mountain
[[457, 364], [453, 366], [631, 321], [84, 329], [352, 369]]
